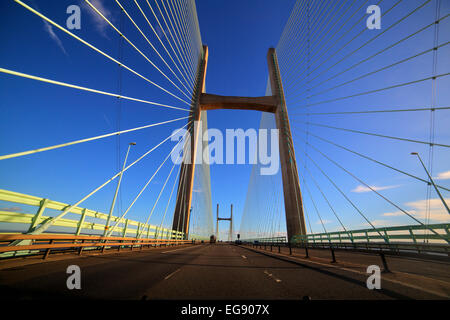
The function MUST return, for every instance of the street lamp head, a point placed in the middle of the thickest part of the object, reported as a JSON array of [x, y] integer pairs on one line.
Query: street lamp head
[[414, 153], [132, 143]]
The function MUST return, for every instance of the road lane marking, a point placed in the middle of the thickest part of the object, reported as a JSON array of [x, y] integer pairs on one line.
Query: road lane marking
[[244, 257], [168, 251], [360, 273], [271, 276], [167, 277]]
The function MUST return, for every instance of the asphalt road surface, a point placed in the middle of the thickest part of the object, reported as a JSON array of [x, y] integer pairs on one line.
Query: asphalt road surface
[[218, 271]]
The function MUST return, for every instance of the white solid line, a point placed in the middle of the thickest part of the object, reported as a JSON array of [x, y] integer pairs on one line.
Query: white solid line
[[167, 277]]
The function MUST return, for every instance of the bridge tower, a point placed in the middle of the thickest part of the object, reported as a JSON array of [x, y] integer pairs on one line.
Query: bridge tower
[[295, 221], [230, 236], [186, 178]]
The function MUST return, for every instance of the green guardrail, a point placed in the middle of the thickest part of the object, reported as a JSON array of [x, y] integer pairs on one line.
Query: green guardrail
[[79, 225], [266, 240], [435, 233]]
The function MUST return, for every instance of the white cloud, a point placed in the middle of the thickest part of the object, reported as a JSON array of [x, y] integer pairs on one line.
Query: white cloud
[[361, 188], [418, 209], [49, 29], [378, 223], [393, 214], [324, 221], [437, 210], [443, 175], [100, 23]]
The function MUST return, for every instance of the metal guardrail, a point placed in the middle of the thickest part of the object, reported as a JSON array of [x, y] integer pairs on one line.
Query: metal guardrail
[[400, 240], [78, 222], [75, 226], [266, 240], [435, 233], [45, 243], [421, 250], [387, 248]]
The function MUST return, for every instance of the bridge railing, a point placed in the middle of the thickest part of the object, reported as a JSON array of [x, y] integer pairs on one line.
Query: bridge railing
[[432, 233], [266, 240], [78, 221], [431, 240], [43, 244], [421, 250]]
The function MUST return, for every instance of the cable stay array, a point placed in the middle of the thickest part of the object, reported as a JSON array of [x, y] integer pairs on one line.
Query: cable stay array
[[363, 104], [367, 108], [160, 46]]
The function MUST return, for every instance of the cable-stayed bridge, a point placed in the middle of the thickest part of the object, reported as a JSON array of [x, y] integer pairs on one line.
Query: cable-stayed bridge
[[360, 113]]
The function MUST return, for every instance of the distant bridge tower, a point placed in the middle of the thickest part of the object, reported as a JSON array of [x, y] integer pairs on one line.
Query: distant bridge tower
[[293, 203], [230, 235]]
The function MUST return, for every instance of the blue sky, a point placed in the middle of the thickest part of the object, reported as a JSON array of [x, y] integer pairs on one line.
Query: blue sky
[[328, 81], [238, 34], [36, 114]]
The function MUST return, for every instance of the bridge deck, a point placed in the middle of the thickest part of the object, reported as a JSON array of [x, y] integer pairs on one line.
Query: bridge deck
[[218, 272]]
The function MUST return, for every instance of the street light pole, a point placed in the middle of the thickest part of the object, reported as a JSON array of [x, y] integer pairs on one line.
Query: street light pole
[[117, 189], [432, 182]]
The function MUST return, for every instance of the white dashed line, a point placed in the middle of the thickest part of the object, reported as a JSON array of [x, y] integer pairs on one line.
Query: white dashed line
[[167, 277], [365, 274], [271, 276], [244, 257], [169, 251]]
